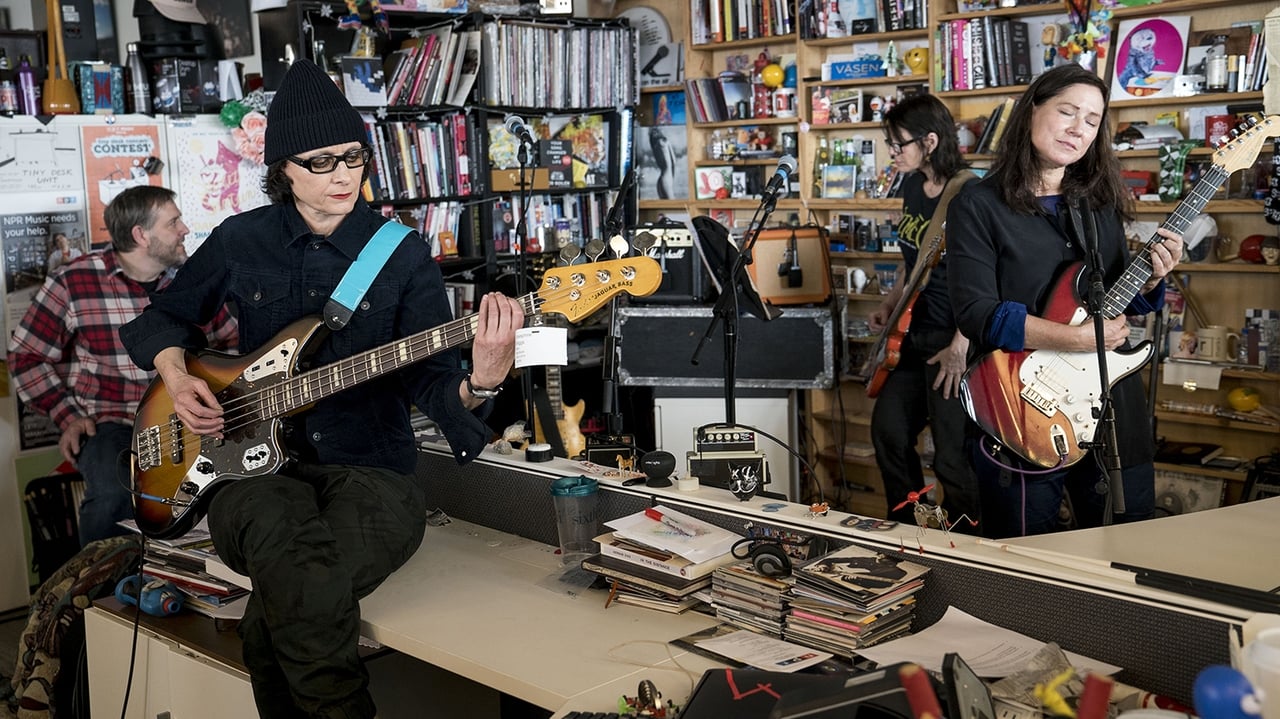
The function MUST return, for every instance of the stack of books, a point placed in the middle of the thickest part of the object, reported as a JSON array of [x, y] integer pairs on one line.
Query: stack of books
[[192, 566], [852, 598], [745, 598], [660, 558]]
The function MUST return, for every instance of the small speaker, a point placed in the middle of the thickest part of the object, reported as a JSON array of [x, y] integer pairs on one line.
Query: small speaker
[[657, 466]]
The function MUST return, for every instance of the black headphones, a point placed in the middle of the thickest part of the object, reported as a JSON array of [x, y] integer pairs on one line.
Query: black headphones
[[768, 557]]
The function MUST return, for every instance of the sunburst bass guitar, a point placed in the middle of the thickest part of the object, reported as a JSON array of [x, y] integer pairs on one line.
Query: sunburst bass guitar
[[1041, 403], [176, 471]]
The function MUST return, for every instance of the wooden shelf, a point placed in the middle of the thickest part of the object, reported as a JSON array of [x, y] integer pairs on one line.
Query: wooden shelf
[[1256, 375], [888, 203], [735, 124], [866, 37], [749, 42], [831, 126], [861, 81], [736, 162], [862, 297], [661, 88], [1207, 421], [1204, 98], [1212, 206], [855, 255], [1227, 474], [664, 204]]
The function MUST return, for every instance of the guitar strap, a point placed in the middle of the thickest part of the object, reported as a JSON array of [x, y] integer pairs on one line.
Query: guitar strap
[[344, 300], [939, 219]]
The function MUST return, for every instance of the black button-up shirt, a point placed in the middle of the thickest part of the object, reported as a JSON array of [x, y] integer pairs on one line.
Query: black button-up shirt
[[272, 271]]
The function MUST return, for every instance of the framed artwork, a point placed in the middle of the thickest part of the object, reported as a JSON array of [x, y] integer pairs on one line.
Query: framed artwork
[[1149, 53]]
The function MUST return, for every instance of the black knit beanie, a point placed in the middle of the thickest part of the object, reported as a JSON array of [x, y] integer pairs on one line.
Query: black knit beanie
[[309, 112]]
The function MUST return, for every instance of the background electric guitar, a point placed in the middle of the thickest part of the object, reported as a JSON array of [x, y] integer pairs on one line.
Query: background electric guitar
[[887, 350], [176, 471], [1041, 403], [565, 419]]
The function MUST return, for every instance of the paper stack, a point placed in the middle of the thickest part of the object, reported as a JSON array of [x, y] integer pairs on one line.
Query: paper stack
[[745, 598], [659, 558]]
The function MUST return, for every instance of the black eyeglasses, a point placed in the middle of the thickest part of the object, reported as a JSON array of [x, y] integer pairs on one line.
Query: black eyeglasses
[[324, 164], [896, 146]]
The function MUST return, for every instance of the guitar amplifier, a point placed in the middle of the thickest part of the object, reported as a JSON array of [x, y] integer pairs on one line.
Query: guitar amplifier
[[723, 469], [791, 265], [684, 278]]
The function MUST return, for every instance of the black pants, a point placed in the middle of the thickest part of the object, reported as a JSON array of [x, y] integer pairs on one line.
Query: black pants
[[906, 403], [314, 543]]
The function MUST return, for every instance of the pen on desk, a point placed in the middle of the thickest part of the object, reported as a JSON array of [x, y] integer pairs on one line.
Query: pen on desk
[[919, 690], [657, 516]]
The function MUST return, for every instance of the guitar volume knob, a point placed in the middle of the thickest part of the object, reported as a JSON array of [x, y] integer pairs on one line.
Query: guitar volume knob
[[204, 467]]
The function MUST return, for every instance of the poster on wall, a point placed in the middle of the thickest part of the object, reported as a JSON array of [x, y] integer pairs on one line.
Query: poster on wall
[[35, 157], [217, 181], [1149, 54], [117, 157], [47, 235]]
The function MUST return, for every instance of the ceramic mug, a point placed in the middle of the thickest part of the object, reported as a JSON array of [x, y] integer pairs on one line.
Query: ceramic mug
[[1260, 663], [1216, 343]]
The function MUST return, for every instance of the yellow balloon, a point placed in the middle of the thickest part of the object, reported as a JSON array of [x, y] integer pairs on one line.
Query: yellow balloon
[[772, 75]]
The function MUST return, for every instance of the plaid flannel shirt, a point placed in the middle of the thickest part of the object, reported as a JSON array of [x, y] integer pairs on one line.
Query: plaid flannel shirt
[[66, 358]]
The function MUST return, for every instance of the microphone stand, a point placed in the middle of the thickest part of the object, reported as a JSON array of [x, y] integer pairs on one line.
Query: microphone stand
[[726, 308], [522, 264], [1105, 438], [614, 224]]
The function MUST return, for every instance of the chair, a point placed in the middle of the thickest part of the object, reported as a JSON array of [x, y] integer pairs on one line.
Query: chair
[[53, 505]]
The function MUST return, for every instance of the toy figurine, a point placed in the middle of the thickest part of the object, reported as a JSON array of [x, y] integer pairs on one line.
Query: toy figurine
[[646, 703], [931, 515], [351, 20]]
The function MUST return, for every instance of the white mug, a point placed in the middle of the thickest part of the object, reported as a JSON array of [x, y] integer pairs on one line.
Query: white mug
[[1216, 343], [1260, 663]]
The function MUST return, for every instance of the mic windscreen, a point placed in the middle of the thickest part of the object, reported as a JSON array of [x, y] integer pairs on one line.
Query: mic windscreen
[[787, 164]]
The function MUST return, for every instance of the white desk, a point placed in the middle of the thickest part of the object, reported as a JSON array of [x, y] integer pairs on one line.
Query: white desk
[[1232, 545], [469, 602]]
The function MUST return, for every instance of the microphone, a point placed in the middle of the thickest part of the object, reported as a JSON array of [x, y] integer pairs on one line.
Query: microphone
[[661, 52], [778, 183], [516, 126], [613, 221]]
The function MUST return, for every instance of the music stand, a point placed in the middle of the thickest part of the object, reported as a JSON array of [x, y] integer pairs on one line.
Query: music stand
[[735, 293], [718, 256]]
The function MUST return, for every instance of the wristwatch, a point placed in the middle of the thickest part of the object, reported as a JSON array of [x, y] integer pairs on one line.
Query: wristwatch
[[482, 392]]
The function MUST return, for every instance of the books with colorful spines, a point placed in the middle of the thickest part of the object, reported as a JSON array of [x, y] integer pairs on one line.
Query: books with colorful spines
[[644, 577], [867, 579], [612, 545], [858, 624], [1001, 121]]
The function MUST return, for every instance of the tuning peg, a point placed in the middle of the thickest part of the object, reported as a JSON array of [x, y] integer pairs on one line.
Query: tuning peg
[[569, 253], [643, 241], [595, 248], [619, 245]]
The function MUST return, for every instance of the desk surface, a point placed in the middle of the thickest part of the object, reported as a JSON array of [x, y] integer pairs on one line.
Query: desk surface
[[471, 601], [1232, 545]]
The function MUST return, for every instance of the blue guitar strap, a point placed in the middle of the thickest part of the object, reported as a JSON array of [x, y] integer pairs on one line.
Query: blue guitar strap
[[344, 300]]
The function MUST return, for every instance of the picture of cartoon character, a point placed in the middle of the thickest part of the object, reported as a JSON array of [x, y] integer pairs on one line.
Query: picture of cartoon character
[[1141, 60]]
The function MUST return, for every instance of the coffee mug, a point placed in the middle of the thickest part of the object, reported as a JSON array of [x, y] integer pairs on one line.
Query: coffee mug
[[1260, 663], [1216, 343]]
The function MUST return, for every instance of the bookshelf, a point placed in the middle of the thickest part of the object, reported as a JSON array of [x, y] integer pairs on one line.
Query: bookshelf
[[833, 416]]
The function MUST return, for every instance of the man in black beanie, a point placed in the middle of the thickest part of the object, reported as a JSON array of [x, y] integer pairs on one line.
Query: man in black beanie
[[326, 528]]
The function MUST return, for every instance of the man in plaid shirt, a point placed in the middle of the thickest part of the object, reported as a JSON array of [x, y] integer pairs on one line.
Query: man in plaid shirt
[[67, 360]]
